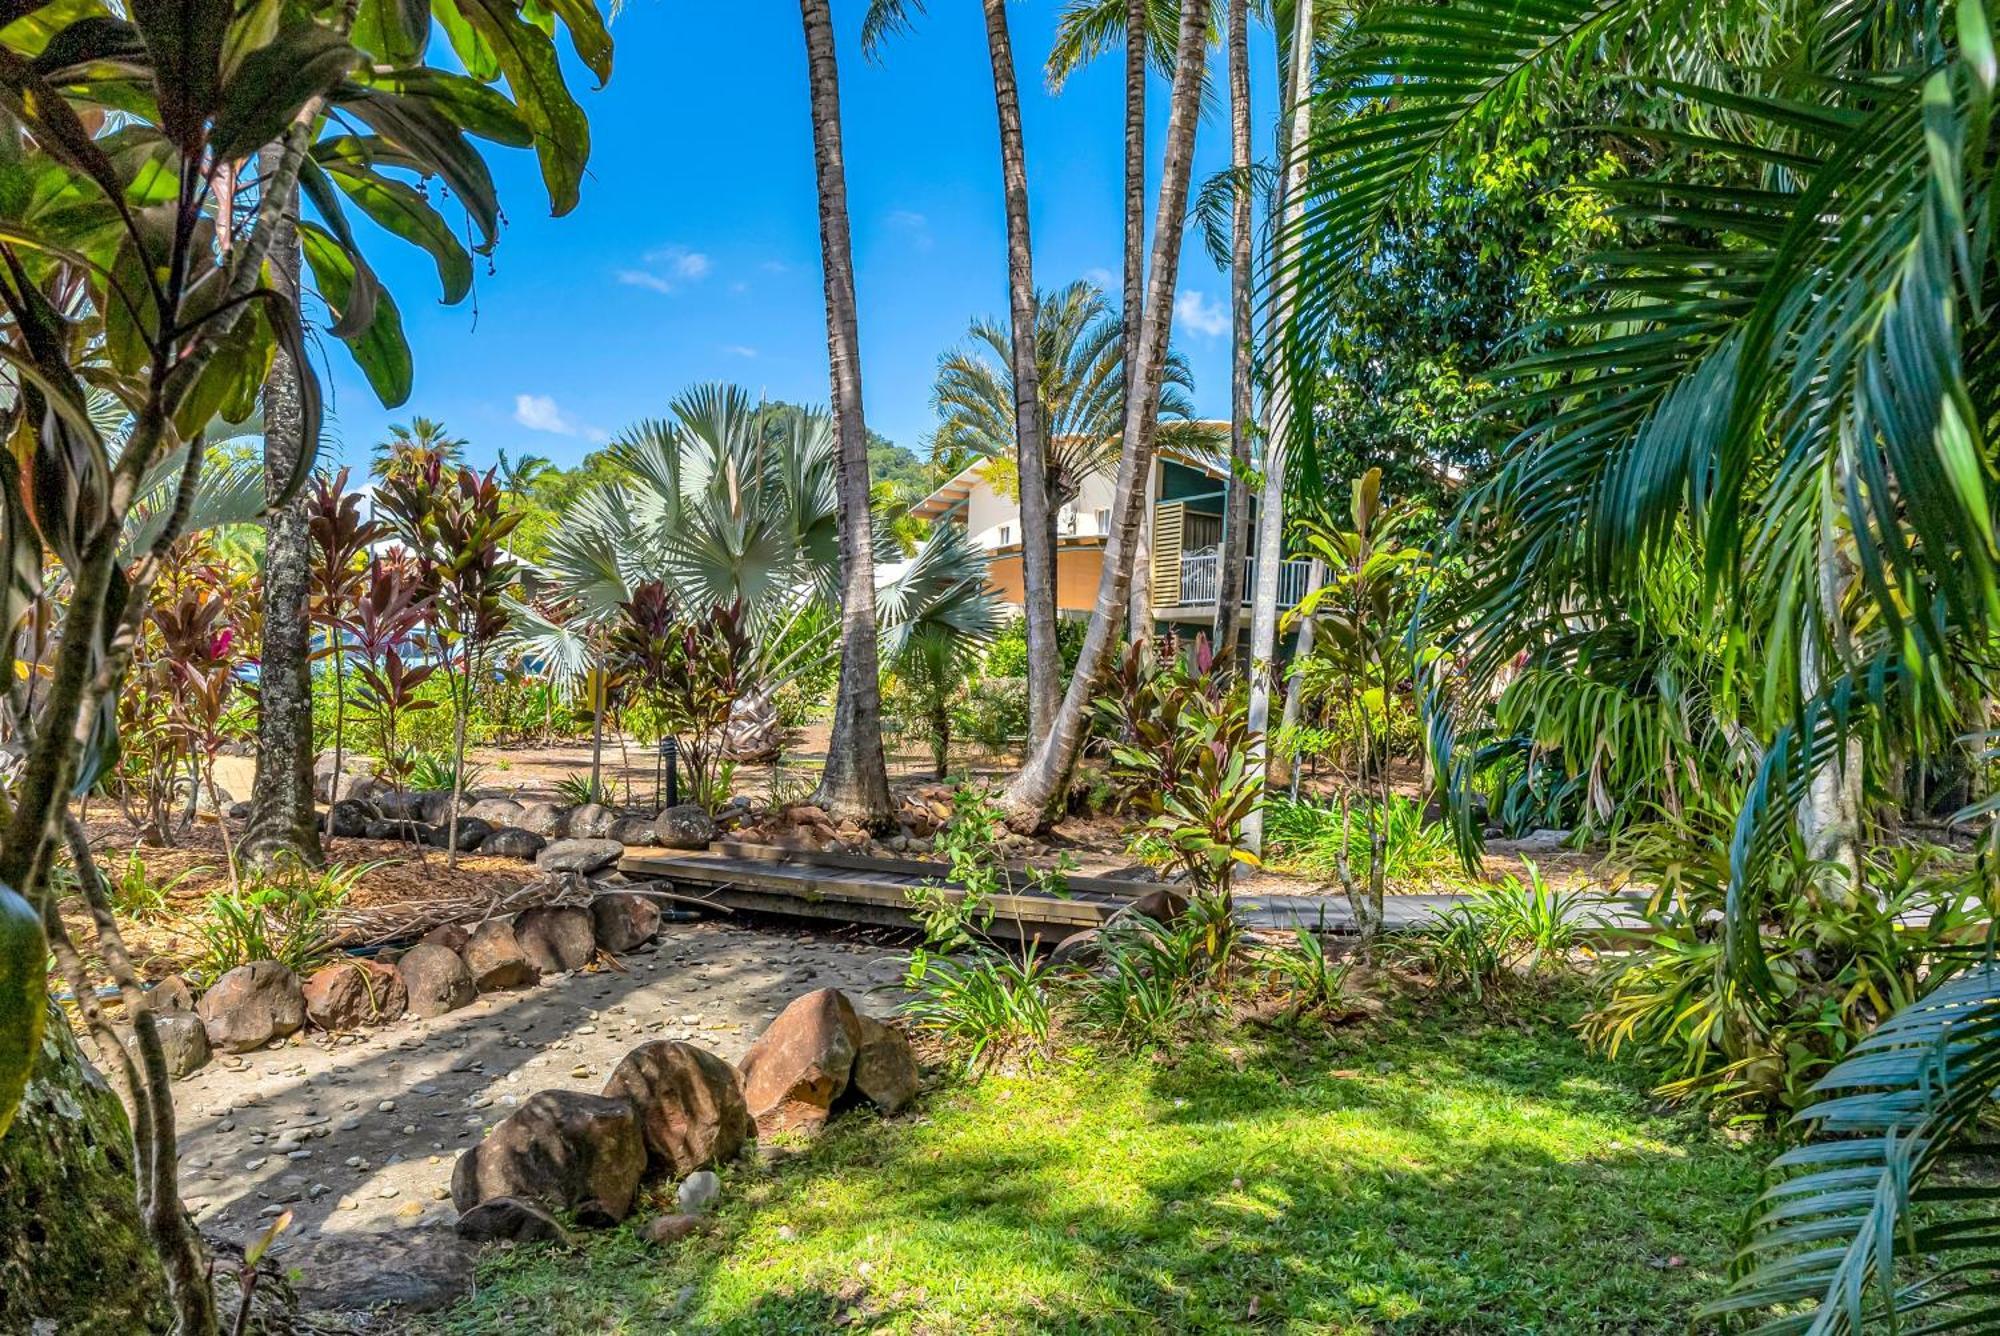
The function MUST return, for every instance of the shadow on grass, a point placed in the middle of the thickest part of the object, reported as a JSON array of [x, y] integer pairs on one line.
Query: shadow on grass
[[1490, 1179]]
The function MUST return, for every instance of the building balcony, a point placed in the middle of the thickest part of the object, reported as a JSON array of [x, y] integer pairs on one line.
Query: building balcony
[[1200, 572]]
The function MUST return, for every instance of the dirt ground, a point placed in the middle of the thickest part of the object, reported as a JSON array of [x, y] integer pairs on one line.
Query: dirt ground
[[356, 1135]]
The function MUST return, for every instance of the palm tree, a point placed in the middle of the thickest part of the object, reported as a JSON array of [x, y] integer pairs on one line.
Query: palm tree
[[1038, 575], [1030, 796], [729, 504], [1080, 364], [1236, 513], [413, 446], [283, 822], [1146, 29], [939, 616], [855, 782], [1282, 410], [1797, 391]]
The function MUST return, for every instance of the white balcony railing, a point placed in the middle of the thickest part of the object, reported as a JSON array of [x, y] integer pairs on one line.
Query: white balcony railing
[[1199, 572]]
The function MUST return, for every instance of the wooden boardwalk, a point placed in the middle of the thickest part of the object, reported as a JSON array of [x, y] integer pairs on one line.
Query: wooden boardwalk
[[849, 888]]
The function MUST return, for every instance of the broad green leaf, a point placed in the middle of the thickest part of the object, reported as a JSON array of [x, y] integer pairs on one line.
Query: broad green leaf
[[476, 108], [185, 38], [379, 348], [274, 84], [471, 49], [400, 209], [587, 34], [435, 146], [527, 58], [394, 31]]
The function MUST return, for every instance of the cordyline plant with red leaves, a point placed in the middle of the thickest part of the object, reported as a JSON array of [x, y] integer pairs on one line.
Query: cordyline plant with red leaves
[[340, 540], [690, 669], [1181, 738], [454, 523], [382, 625], [173, 716]]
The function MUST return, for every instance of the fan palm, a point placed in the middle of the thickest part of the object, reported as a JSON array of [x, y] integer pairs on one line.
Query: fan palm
[[1800, 384], [730, 504]]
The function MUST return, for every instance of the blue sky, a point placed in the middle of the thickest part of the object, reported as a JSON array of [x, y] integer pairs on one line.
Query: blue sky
[[694, 254]]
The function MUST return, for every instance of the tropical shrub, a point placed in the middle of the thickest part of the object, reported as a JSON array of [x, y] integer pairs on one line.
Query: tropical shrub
[[994, 712], [285, 913], [983, 1001], [1311, 837], [1158, 980]]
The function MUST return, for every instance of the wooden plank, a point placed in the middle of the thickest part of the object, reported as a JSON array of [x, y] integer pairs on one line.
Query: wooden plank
[[1079, 886], [772, 882], [1168, 520]]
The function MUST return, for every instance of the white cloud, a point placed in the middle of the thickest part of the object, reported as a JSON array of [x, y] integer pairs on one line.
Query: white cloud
[[743, 350], [668, 269], [1101, 277], [915, 227], [1194, 311], [538, 412]]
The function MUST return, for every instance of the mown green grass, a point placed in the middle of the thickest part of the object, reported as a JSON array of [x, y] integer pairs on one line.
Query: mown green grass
[[1414, 1174]]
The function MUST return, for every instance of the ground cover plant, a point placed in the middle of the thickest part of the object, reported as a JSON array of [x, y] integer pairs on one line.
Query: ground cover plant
[[1307, 1179]]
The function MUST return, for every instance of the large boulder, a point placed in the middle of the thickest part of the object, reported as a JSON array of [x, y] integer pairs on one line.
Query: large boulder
[[471, 832], [73, 1250], [351, 819], [513, 842], [624, 920], [885, 1067], [631, 830], [801, 1063], [561, 1150], [436, 980], [690, 1105], [349, 994], [451, 936], [251, 1005], [354, 780], [183, 1042], [548, 820], [579, 855], [434, 806], [495, 958], [398, 805], [171, 996], [592, 821], [496, 812], [688, 826], [556, 938]]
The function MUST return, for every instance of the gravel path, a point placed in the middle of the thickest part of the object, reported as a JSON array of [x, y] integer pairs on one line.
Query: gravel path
[[357, 1135]]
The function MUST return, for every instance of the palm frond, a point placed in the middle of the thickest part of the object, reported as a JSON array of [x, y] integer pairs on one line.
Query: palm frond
[[1843, 1226]]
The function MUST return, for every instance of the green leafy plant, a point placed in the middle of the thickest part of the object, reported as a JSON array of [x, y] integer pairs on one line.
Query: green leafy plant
[[1158, 979], [1542, 925], [576, 790], [1460, 947], [285, 913], [136, 895], [1315, 980], [984, 1001], [432, 772], [1312, 837]]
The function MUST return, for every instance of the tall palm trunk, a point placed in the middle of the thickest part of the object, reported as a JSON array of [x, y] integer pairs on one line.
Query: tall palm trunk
[[1271, 505], [1040, 782], [283, 823], [1236, 514], [854, 784], [1284, 768], [1136, 34], [1038, 535]]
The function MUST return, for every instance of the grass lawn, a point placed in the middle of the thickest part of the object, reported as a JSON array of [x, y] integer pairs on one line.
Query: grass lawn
[[1421, 1173]]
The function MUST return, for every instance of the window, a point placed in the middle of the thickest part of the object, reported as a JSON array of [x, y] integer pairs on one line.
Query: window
[[1104, 520], [1006, 534]]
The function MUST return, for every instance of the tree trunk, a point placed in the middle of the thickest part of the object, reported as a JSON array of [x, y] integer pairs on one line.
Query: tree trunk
[[1038, 786], [1283, 767], [1830, 815], [1038, 517], [1271, 505], [1236, 514], [855, 783], [1135, 283], [66, 1165], [283, 822]]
